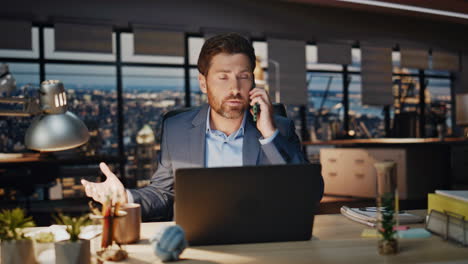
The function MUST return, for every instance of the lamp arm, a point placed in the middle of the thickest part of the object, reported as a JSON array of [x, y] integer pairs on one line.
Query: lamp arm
[[31, 106]]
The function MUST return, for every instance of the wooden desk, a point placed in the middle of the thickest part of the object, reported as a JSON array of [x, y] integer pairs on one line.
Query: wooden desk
[[388, 141], [337, 241]]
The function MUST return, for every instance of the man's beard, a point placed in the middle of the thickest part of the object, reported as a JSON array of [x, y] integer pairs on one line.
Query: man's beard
[[230, 112]]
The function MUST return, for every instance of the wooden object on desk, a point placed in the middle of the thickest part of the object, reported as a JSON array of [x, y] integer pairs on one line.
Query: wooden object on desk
[[337, 241]]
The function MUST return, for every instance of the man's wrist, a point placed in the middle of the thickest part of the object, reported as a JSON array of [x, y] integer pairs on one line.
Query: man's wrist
[[267, 140], [268, 132]]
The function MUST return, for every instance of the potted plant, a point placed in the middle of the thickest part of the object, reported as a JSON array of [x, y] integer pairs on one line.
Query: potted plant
[[16, 247], [74, 250], [43, 241]]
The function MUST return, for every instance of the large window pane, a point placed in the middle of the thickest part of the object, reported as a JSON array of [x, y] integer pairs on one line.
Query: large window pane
[[92, 95], [13, 129], [325, 109], [261, 51], [148, 94], [396, 62], [365, 121], [195, 44], [311, 61], [440, 106], [355, 60], [196, 95]]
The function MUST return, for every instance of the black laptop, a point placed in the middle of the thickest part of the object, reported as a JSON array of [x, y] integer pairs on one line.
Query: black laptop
[[247, 204]]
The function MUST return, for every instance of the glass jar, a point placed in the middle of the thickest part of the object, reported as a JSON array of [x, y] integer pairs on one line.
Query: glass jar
[[387, 207]]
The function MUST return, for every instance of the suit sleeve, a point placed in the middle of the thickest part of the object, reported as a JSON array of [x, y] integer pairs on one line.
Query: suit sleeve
[[157, 199], [285, 148]]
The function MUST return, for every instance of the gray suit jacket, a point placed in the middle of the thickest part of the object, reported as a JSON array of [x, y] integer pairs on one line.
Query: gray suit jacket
[[183, 146]]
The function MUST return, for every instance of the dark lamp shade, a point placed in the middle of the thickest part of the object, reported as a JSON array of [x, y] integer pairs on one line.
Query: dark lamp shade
[[55, 132]]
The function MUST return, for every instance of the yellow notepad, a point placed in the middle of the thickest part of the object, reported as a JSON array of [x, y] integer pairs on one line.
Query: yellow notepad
[[370, 233], [443, 203]]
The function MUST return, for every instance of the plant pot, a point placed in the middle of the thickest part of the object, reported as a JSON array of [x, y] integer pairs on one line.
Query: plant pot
[[388, 247], [41, 247], [67, 252], [18, 252]]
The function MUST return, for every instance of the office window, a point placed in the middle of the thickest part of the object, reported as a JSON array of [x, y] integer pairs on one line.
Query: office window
[[128, 54], [261, 51], [438, 73], [405, 91], [439, 109], [148, 94], [13, 129], [197, 97], [325, 109], [311, 61], [355, 60], [92, 96], [364, 121], [51, 53], [24, 54], [396, 62], [195, 44]]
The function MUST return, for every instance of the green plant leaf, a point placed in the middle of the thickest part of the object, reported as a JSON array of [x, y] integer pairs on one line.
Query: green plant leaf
[[12, 223], [73, 224]]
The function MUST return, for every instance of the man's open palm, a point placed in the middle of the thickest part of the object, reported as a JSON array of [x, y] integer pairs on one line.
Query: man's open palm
[[110, 188]]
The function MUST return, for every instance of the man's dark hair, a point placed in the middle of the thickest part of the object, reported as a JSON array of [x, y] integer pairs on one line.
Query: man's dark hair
[[230, 43]]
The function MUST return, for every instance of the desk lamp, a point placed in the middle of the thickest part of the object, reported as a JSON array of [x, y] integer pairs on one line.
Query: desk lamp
[[54, 128]]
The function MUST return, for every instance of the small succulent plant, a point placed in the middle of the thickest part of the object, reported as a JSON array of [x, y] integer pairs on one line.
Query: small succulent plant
[[12, 223], [73, 224], [44, 237]]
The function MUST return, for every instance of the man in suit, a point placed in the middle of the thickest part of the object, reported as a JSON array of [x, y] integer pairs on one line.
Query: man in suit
[[222, 133]]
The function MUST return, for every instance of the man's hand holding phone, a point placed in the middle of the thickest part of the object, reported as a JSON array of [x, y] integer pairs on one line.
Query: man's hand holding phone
[[265, 122]]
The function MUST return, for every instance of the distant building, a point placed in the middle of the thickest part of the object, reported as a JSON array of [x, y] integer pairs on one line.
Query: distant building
[[145, 156]]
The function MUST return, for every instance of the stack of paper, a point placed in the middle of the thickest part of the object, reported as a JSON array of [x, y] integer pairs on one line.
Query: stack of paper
[[368, 216]]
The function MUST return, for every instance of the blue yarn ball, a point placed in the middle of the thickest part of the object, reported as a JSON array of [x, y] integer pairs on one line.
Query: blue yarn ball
[[169, 243]]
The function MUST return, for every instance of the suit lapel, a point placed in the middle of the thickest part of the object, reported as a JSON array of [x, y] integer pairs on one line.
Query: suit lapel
[[197, 138], [251, 145]]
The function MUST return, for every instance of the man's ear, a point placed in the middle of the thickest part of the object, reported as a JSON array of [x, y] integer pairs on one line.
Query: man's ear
[[202, 82]]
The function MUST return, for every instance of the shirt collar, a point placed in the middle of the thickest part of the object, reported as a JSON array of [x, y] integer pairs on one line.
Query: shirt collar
[[238, 133]]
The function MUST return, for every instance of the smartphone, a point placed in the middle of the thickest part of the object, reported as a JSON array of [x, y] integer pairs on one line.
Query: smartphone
[[255, 107], [256, 110]]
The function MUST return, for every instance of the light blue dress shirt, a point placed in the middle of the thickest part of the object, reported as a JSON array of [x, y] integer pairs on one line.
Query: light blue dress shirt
[[226, 151]]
